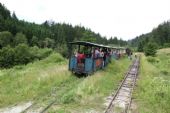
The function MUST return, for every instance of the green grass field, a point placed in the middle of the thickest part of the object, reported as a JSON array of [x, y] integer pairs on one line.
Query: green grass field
[[152, 94], [49, 79], [89, 94]]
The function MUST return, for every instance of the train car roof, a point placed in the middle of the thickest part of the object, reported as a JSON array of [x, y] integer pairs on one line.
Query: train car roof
[[87, 44], [94, 44]]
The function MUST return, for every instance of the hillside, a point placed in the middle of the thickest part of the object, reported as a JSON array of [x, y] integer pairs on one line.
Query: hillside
[[50, 34], [22, 42], [159, 35]]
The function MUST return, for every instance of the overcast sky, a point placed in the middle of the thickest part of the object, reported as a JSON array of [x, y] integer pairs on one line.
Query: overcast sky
[[125, 19]]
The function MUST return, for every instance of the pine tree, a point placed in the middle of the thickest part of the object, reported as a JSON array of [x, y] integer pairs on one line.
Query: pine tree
[[140, 47], [150, 49]]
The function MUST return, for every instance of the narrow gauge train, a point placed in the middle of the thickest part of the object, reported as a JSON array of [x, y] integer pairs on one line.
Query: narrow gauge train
[[87, 57]]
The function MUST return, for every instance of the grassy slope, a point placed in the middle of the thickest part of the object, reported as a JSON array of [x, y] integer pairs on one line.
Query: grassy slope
[[153, 90], [33, 80], [49, 79]]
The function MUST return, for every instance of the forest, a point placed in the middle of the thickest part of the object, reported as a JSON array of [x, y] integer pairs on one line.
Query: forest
[[159, 37], [26, 39]]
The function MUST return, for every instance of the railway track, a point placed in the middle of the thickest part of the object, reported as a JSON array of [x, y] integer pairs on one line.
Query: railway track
[[120, 101]]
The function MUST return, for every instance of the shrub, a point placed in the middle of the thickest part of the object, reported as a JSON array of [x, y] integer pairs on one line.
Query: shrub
[[166, 45], [152, 59], [19, 39], [5, 38], [150, 49], [22, 54], [7, 57], [42, 53]]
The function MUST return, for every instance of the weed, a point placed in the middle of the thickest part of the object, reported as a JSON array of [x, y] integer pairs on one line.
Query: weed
[[152, 92]]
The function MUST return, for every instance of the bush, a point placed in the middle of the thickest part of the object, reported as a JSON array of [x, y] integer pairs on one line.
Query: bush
[[152, 60], [21, 54], [5, 38], [37, 53], [150, 49], [42, 53], [166, 45], [19, 39], [7, 55]]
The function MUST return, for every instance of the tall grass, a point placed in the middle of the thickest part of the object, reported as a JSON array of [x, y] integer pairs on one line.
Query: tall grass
[[49, 79], [92, 90], [153, 88], [28, 82]]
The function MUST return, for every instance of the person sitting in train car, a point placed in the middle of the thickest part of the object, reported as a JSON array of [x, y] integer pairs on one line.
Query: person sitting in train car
[[80, 58], [104, 57], [96, 53], [75, 53], [87, 52], [101, 53]]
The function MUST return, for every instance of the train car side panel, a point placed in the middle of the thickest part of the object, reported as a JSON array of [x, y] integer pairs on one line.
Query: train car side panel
[[73, 63], [89, 65]]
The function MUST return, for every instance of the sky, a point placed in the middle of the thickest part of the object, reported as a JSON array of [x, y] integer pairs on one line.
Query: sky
[[125, 19]]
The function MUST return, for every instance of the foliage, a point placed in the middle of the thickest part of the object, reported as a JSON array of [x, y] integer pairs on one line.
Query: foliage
[[140, 47], [166, 45], [21, 54], [19, 39], [20, 84], [152, 91], [152, 59], [7, 56], [5, 38], [150, 49], [48, 34], [160, 35], [49, 78]]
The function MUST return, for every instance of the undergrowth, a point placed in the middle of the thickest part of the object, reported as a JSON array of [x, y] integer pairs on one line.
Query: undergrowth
[[153, 87]]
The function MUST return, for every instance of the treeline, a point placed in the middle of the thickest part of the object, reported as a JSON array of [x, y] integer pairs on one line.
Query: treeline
[[22, 42], [21, 54], [159, 38], [48, 34]]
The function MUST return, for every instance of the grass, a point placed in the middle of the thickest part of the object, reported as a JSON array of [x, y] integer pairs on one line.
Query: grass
[[153, 88], [34, 80], [49, 79], [89, 94]]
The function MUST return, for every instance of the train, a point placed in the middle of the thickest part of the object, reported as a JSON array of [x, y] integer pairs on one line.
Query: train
[[87, 57]]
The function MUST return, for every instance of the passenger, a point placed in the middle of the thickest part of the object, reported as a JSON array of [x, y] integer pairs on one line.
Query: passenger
[[75, 53], [97, 53], [101, 53], [104, 57], [80, 57]]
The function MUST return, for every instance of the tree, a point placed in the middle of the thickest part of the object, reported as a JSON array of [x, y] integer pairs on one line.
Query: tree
[[150, 49], [20, 38], [5, 38], [140, 47], [7, 57], [14, 16], [48, 43], [34, 41], [22, 54]]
